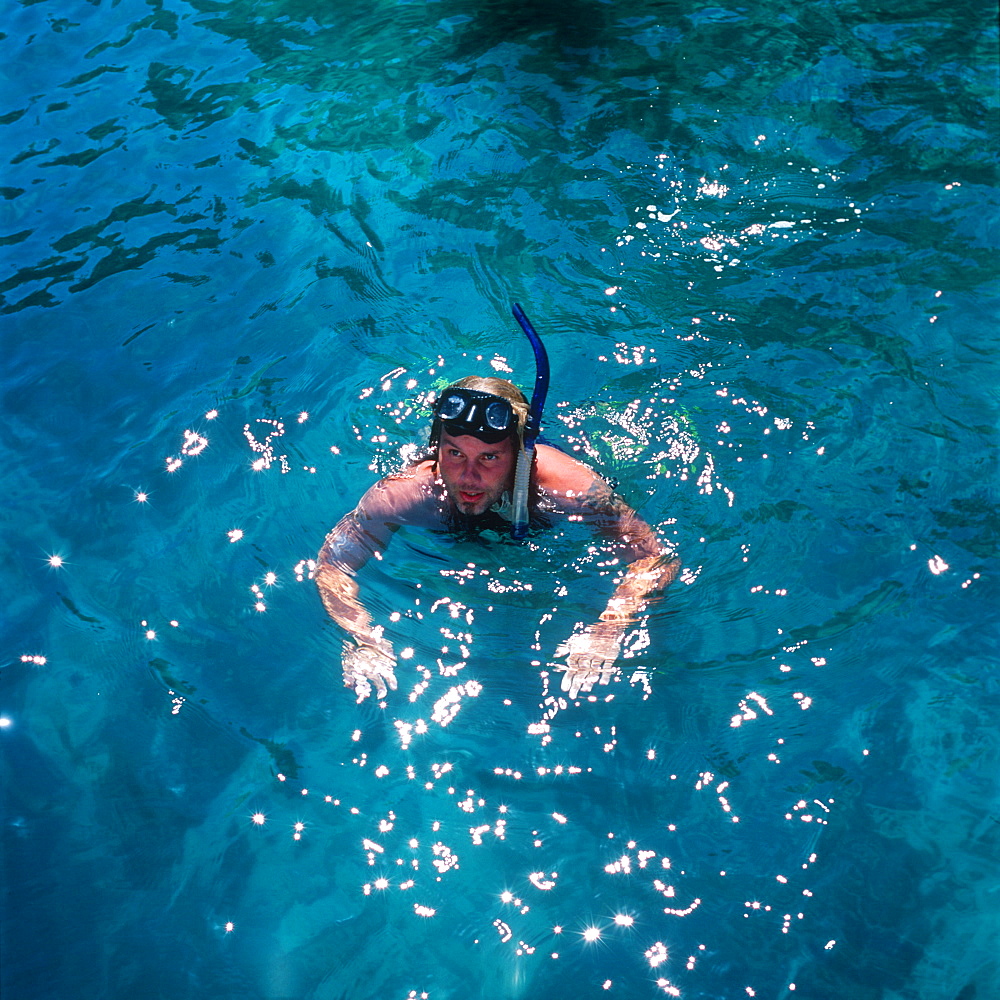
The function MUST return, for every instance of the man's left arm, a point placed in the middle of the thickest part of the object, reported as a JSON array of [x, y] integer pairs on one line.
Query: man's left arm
[[591, 655]]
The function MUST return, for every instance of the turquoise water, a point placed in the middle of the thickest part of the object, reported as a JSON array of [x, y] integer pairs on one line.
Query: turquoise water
[[760, 242]]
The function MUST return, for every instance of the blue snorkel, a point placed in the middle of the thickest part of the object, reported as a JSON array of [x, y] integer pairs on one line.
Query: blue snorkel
[[525, 457]]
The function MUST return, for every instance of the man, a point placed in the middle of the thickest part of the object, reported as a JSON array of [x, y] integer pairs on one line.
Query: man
[[465, 483]]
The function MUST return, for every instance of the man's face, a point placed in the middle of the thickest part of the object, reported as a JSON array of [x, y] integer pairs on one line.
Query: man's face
[[475, 473]]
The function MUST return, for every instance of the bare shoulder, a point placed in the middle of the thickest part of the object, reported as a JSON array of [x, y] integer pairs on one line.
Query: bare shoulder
[[578, 491], [560, 474], [405, 497]]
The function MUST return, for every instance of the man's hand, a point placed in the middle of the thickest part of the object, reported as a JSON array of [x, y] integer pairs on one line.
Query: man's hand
[[591, 656], [369, 663]]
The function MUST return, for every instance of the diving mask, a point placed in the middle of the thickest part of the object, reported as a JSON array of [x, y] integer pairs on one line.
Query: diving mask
[[481, 414]]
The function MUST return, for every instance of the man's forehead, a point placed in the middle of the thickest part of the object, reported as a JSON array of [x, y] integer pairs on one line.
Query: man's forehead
[[470, 444]]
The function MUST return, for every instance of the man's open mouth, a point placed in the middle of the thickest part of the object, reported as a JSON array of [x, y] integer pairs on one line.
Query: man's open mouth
[[470, 497]]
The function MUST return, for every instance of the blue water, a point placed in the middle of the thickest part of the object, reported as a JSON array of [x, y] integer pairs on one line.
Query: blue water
[[760, 242]]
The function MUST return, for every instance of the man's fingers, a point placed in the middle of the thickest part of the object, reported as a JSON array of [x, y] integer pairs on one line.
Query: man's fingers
[[572, 679], [383, 675], [368, 665], [585, 669], [579, 678], [362, 688]]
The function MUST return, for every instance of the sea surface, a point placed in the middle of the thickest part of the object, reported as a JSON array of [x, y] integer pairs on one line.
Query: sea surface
[[241, 245]]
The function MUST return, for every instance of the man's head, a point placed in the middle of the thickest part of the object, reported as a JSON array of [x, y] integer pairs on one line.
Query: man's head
[[477, 433]]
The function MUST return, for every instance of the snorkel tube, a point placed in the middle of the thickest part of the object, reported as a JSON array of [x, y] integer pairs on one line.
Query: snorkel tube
[[522, 474]]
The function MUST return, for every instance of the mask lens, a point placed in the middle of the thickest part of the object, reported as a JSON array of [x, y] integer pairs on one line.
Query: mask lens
[[451, 407], [498, 415]]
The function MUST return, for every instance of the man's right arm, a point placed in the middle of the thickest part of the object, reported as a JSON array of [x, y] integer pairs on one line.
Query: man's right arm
[[346, 549], [368, 658]]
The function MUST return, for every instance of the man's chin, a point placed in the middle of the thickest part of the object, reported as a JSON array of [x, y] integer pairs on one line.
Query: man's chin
[[472, 508]]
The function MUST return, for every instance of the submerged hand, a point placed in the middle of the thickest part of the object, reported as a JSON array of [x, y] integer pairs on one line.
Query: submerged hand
[[367, 664], [590, 657]]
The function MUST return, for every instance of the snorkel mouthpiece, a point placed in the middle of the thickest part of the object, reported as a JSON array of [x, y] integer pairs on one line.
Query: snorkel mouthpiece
[[522, 474]]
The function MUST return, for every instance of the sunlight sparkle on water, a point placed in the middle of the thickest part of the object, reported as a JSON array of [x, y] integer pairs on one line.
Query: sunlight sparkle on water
[[194, 443], [265, 449], [937, 565], [443, 858], [538, 880], [656, 954]]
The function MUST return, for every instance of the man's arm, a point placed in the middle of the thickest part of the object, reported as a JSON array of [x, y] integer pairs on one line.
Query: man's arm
[[368, 658], [592, 654], [651, 566]]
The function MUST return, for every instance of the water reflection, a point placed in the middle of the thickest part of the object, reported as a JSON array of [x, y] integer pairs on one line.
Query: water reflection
[[761, 238]]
